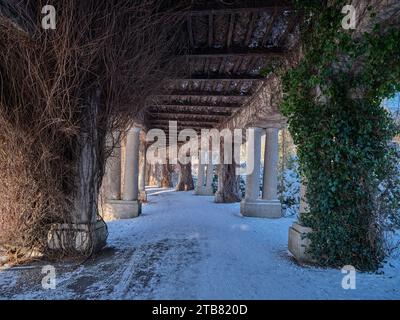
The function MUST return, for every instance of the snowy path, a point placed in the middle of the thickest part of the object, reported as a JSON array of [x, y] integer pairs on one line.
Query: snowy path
[[187, 247]]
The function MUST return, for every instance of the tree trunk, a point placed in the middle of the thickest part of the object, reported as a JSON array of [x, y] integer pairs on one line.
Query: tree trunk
[[166, 176], [185, 182], [228, 184], [153, 175], [89, 167]]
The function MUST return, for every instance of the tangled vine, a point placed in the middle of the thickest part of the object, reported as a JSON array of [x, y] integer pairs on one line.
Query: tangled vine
[[62, 93]]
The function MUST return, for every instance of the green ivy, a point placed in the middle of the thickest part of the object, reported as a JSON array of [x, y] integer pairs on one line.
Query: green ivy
[[343, 137]]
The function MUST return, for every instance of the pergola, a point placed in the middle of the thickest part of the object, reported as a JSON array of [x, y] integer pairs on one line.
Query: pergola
[[229, 46], [222, 81]]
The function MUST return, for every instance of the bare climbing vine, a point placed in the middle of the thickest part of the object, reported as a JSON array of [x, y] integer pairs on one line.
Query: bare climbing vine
[[61, 92]]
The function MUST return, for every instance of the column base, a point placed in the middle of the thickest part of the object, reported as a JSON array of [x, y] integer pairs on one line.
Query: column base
[[81, 238], [120, 209], [298, 242], [143, 196], [205, 192], [261, 208], [218, 197]]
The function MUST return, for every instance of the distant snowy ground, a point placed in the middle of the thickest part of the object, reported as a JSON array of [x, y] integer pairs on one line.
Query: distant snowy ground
[[187, 247]]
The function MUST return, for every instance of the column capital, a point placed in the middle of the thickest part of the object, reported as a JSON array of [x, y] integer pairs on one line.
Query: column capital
[[273, 127], [134, 130], [256, 129]]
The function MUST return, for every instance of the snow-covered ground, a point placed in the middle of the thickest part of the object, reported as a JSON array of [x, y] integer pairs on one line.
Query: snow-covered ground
[[187, 247]]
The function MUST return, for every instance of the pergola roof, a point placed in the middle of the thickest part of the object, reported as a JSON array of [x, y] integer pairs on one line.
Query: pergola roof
[[229, 47]]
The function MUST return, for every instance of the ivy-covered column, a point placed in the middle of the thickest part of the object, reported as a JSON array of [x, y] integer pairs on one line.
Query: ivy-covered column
[[332, 100]]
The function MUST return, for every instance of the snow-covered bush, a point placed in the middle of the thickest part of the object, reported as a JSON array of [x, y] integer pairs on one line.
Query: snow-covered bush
[[289, 188], [388, 199]]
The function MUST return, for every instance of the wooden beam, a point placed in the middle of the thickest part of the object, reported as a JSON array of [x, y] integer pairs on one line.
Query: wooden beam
[[179, 127], [185, 116], [199, 105], [176, 95], [239, 10], [193, 123], [218, 77], [231, 106], [154, 112], [234, 52]]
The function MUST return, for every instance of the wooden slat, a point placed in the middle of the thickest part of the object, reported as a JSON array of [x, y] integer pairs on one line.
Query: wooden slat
[[206, 65], [253, 19], [230, 30], [222, 66], [252, 66], [210, 30], [293, 20], [237, 65], [268, 32], [190, 31]]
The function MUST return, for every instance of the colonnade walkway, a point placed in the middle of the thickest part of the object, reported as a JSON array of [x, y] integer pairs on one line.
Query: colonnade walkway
[[185, 246]]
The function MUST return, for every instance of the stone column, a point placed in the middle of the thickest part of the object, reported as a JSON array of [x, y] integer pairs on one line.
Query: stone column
[[113, 170], [129, 206], [131, 183], [270, 183], [210, 175], [142, 176], [200, 178], [268, 206], [253, 155]]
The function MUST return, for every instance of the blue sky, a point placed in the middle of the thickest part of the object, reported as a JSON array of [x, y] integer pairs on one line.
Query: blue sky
[[394, 103]]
